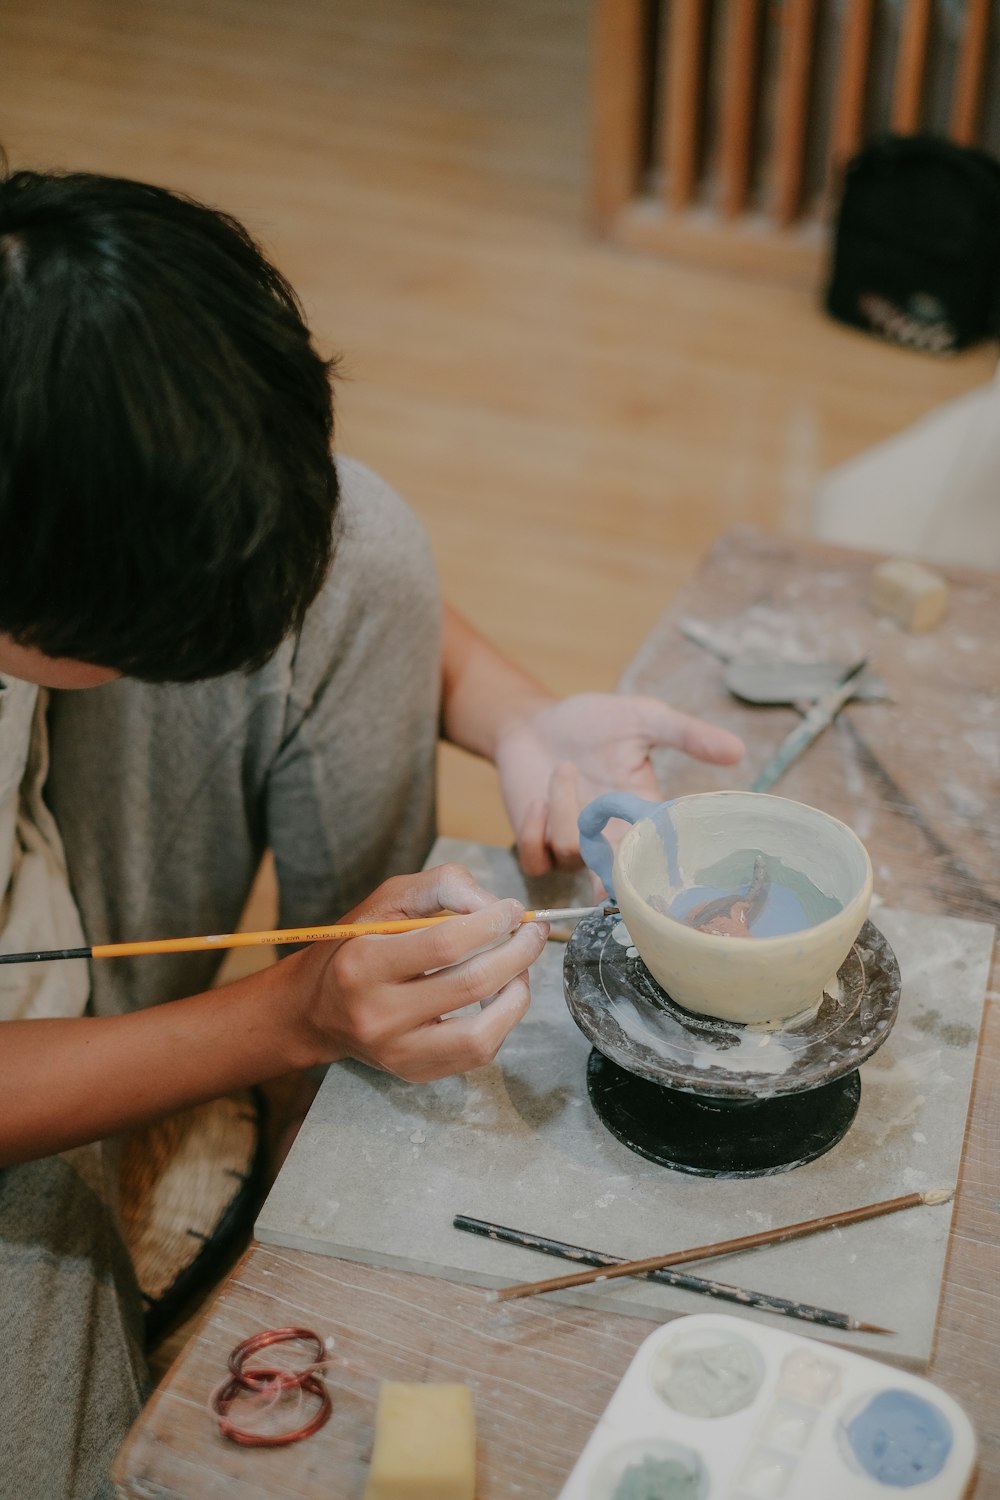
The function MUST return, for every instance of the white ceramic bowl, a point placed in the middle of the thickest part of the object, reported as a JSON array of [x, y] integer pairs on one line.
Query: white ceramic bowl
[[754, 979]]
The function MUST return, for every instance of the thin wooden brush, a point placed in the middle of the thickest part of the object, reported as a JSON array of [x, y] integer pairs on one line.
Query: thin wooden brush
[[276, 936], [723, 1247], [763, 1301]]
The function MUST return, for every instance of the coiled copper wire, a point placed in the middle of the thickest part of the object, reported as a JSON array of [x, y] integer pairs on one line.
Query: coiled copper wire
[[288, 1379], [260, 1380]]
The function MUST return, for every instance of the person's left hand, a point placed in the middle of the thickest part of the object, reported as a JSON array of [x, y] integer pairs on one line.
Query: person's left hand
[[556, 761]]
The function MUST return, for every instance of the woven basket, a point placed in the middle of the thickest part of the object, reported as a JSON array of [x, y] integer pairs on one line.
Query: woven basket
[[191, 1185]]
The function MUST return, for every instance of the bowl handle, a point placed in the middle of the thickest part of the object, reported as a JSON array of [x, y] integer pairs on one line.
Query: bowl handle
[[597, 853]]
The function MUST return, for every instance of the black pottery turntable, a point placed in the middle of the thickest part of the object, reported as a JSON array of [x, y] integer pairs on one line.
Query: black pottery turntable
[[713, 1097]]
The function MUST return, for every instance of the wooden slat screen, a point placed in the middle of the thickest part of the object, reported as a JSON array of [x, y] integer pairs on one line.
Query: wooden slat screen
[[911, 66], [722, 116], [971, 73], [684, 63], [742, 61], [852, 72]]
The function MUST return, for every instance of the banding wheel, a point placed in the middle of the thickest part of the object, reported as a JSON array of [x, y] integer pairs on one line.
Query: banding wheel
[[713, 1097]]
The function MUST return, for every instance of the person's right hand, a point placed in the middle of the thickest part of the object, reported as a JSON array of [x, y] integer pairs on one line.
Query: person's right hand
[[384, 1000]]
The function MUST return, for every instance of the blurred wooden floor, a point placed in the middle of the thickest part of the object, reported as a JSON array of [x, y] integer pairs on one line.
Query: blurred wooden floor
[[575, 425]]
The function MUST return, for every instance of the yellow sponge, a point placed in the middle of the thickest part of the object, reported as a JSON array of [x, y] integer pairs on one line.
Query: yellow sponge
[[909, 593], [425, 1443]]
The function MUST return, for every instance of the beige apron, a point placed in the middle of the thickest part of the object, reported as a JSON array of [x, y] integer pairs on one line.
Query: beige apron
[[37, 909]]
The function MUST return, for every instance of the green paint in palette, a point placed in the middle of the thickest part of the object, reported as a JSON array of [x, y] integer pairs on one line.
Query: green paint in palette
[[658, 1479]]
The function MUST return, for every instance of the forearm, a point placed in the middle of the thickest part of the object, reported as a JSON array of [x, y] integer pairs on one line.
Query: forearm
[[483, 694], [64, 1082]]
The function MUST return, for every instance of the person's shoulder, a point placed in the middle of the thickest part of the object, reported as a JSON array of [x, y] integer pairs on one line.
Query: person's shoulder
[[372, 516], [382, 557]]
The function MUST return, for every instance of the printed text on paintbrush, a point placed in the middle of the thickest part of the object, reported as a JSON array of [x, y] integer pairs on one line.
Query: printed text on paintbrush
[[277, 936]]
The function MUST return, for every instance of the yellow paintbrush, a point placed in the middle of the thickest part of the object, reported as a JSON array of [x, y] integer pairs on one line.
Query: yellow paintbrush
[[281, 935]]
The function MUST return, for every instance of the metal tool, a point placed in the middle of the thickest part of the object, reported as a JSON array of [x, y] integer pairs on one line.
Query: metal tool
[[822, 713], [776, 680]]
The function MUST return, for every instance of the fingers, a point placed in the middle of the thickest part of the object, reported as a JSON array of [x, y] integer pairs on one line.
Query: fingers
[[564, 809], [447, 887], [450, 887], [481, 977], [532, 850], [388, 986], [460, 1043], [695, 737], [549, 837], [410, 955]]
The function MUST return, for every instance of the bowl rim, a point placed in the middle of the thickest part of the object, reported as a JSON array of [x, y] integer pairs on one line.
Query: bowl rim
[[863, 895]]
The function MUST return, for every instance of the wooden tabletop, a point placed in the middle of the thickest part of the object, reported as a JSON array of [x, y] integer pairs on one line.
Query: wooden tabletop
[[918, 777]]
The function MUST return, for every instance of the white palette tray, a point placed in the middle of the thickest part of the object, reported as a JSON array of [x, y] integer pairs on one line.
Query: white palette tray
[[717, 1408]]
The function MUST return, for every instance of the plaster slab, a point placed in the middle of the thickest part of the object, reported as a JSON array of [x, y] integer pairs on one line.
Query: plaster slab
[[380, 1166]]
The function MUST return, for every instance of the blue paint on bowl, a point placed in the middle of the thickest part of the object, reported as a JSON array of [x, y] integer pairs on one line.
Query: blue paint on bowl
[[782, 912]]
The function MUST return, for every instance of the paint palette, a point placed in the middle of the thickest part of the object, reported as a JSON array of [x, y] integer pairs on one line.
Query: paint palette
[[718, 1408]]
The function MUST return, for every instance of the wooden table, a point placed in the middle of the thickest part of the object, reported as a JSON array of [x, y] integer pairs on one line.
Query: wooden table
[[919, 779]]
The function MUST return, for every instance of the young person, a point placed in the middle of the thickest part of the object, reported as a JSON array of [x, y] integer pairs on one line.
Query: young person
[[269, 666]]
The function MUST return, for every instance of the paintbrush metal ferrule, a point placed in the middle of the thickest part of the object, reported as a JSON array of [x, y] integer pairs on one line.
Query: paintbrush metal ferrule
[[567, 913]]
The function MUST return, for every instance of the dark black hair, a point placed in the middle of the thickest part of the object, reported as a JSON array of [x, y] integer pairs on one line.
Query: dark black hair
[[167, 490]]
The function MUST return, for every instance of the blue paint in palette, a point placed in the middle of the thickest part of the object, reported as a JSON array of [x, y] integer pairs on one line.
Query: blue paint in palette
[[900, 1439]]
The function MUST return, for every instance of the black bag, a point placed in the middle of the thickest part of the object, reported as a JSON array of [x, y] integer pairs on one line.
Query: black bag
[[917, 244]]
